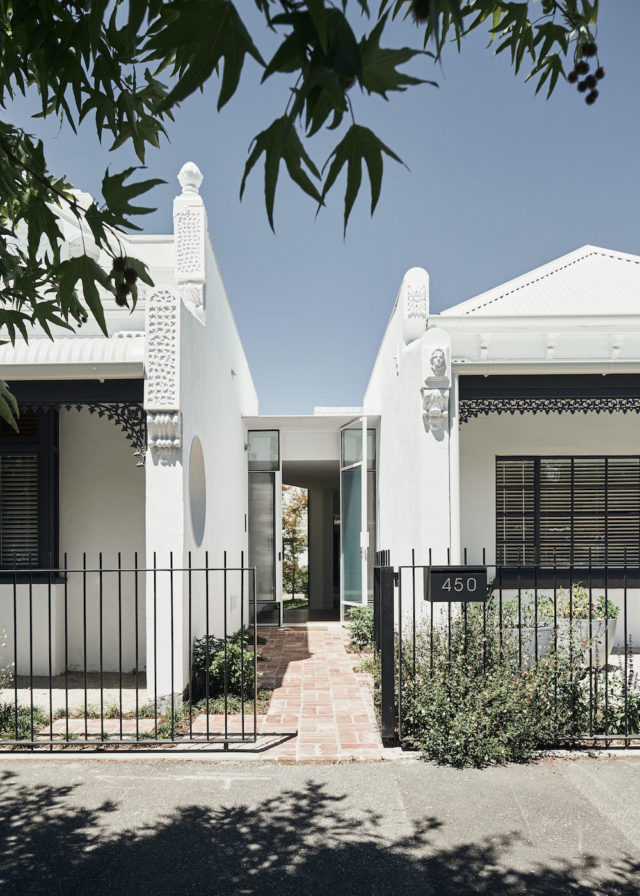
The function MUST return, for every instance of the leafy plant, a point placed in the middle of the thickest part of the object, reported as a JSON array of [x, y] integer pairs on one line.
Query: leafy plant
[[17, 726], [233, 666], [360, 622], [471, 702], [578, 603]]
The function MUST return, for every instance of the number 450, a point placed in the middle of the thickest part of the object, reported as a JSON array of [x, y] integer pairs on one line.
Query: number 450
[[459, 584]]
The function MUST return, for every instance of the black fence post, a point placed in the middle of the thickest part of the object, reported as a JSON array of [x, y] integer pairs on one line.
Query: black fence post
[[386, 637]]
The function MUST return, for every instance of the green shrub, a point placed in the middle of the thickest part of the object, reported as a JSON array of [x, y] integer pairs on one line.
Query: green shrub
[[8, 722], [470, 703], [239, 666], [360, 620]]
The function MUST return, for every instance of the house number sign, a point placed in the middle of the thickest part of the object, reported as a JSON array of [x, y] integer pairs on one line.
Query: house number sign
[[452, 584]]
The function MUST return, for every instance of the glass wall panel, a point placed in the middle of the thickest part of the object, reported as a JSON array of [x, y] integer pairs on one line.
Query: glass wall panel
[[351, 525], [264, 449], [262, 553], [352, 445]]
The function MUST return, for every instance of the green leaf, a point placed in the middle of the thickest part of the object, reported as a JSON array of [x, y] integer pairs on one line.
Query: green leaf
[[140, 268], [88, 273], [280, 142], [318, 13], [118, 196], [358, 145], [380, 66], [202, 34], [9, 410]]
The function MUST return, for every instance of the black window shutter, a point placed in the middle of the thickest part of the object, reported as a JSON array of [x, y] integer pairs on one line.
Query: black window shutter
[[569, 511]]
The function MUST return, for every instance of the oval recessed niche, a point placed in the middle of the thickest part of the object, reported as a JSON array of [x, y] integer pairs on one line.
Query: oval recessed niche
[[197, 490]]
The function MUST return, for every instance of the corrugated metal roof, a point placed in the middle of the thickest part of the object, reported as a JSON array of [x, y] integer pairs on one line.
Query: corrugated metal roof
[[590, 280], [125, 349]]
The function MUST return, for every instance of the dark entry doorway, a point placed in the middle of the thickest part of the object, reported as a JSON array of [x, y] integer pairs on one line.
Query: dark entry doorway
[[321, 479]]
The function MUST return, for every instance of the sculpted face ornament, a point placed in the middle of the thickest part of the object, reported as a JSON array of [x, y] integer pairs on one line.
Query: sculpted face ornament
[[435, 396], [438, 362]]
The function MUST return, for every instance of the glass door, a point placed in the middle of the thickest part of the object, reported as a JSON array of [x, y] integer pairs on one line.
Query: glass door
[[264, 522], [357, 512]]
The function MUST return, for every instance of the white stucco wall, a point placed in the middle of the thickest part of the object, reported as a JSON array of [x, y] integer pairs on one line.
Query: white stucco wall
[[102, 497], [101, 509], [413, 465], [483, 439], [198, 385], [216, 391]]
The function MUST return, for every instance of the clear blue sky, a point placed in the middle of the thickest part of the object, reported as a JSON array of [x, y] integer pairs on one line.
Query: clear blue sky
[[499, 182]]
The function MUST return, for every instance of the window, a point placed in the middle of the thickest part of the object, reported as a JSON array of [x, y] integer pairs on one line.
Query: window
[[264, 450], [568, 511], [29, 491]]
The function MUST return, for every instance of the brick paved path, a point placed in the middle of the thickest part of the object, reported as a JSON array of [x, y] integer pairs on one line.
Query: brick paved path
[[317, 694], [321, 710]]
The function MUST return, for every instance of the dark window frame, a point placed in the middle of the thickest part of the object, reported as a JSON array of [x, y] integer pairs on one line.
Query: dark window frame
[[531, 572], [45, 444]]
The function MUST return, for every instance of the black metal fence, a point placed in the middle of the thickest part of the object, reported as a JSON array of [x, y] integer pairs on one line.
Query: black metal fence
[[583, 623], [119, 654]]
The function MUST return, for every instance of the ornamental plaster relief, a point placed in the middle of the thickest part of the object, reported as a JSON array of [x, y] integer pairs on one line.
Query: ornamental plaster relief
[[414, 304], [435, 391], [161, 362], [164, 431], [417, 300], [189, 236], [189, 226]]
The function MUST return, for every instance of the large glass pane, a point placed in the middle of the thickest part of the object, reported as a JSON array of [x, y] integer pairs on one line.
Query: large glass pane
[[262, 553], [264, 449], [371, 449], [352, 445], [371, 528], [351, 485]]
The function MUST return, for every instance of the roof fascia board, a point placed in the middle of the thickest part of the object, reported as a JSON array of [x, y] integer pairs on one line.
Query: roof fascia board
[[541, 367], [566, 322], [119, 371]]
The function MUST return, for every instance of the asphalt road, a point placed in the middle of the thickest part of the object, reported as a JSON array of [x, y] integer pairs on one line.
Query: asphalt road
[[402, 828]]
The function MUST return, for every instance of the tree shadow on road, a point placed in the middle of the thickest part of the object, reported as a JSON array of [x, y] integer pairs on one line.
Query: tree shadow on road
[[301, 842]]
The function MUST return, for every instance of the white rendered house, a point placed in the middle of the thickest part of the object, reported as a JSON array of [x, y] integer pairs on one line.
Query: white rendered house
[[506, 427]]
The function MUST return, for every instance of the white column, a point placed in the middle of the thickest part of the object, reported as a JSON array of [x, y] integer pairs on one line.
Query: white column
[[165, 498], [454, 473]]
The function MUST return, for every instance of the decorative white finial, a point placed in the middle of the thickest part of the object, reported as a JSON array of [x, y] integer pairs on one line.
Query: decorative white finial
[[190, 178]]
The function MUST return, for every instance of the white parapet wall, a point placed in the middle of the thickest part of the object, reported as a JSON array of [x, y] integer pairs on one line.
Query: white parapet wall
[[197, 389], [413, 391]]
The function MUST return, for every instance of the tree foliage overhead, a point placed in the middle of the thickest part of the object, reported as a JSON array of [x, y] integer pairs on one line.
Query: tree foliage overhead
[[124, 66]]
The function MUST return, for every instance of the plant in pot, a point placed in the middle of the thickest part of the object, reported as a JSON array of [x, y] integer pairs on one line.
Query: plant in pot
[[526, 627], [588, 620]]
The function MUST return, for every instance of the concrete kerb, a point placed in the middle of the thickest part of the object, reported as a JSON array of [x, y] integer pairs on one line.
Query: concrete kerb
[[391, 754]]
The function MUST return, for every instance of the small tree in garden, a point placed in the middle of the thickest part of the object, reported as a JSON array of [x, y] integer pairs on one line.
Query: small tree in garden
[[295, 538]]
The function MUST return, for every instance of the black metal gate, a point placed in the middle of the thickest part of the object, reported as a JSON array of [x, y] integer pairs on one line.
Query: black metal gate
[[100, 656], [532, 614]]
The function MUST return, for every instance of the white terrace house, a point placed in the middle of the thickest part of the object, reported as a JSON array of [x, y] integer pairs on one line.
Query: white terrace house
[[506, 427]]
